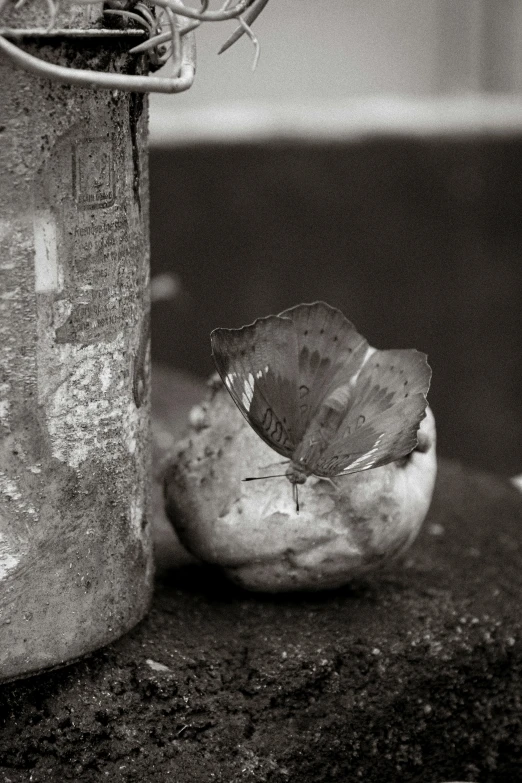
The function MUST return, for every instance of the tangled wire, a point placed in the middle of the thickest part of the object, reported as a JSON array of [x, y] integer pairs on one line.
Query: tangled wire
[[169, 25]]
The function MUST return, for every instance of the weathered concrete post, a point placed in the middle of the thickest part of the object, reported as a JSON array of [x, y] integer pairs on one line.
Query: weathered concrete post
[[75, 549]]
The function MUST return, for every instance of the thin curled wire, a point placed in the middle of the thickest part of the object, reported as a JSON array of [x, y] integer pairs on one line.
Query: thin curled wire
[[169, 26]]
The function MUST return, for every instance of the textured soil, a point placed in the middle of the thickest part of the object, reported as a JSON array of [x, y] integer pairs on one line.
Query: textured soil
[[411, 675]]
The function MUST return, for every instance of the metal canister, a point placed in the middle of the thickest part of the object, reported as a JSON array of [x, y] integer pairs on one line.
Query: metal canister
[[75, 545]]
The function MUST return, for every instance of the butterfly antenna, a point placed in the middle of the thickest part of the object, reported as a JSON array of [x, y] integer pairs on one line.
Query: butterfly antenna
[[296, 499], [258, 478], [274, 464]]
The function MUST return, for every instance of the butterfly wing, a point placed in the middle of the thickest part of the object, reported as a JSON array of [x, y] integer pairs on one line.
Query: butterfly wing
[[307, 385], [381, 422], [330, 353], [258, 365]]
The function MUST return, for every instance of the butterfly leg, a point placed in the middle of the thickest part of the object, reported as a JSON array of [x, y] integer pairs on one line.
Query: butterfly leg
[[330, 481], [274, 464], [295, 497]]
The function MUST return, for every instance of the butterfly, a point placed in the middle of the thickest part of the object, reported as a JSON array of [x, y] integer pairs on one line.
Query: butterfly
[[316, 392]]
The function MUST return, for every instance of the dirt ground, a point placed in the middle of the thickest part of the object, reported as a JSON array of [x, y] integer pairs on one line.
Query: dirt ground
[[411, 675]]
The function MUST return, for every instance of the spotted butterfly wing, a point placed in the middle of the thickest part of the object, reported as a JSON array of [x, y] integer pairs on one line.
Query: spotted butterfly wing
[[330, 352], [256, 364], [380, 426], [313, 389], [279, 368]]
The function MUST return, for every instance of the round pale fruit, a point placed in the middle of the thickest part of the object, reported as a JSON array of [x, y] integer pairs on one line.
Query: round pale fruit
[[344, 528]]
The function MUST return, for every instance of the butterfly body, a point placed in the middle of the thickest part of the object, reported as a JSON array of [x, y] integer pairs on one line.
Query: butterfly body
[[316, 392], [296, 473]]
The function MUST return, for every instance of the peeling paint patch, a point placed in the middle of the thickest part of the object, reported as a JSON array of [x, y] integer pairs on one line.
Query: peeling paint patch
[[45, 253], [133, 427], [8, 561], [105, 378], [8, 488], [13, 294], [89, 409], [136, 513], [6, 227], [17, 501], [4, 410]]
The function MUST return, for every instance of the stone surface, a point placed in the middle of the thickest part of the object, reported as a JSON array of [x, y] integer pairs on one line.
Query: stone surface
[[411, 675], [252, 530]]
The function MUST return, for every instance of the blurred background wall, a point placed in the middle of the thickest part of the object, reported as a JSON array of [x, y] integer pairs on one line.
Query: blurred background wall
[[324, 52], [374, 160]]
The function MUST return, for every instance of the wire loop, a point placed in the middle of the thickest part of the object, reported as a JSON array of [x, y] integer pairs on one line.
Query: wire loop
[[170, 41]]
